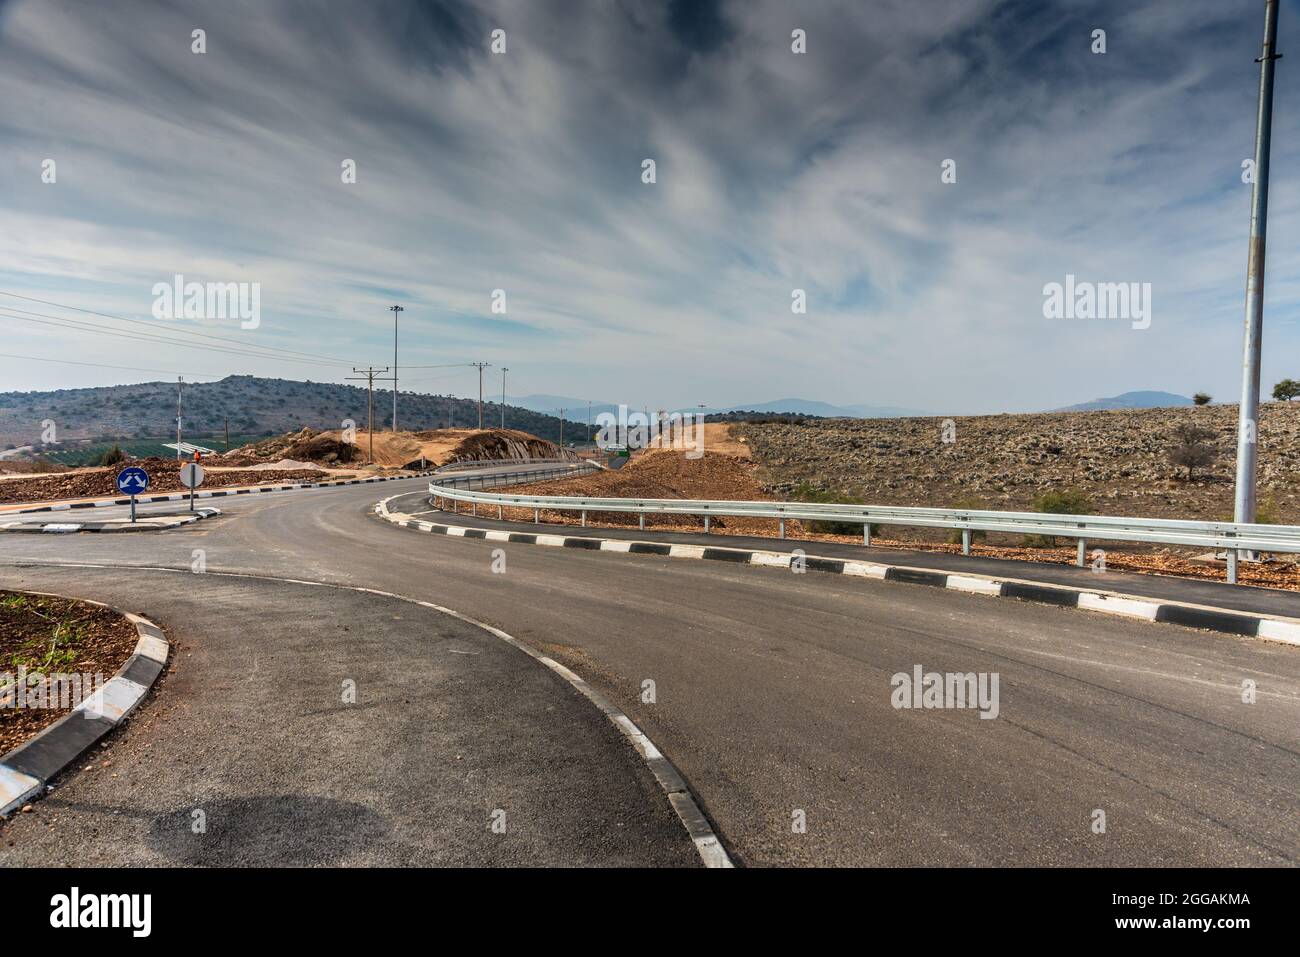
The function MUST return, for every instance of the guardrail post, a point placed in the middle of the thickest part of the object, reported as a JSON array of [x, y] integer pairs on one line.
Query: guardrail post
[[498, 513], [537, 516], [783, 528], [642, 517], [1232, 566], [1082, 558], [584, 518], [965, 541], [866, 534], [707, 519]]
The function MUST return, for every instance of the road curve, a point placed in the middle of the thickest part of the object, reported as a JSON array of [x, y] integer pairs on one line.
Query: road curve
[[772, 692]]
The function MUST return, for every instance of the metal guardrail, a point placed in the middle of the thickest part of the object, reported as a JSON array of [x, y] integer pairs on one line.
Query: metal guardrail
[[516, 476], [489, 463], [1228, 536]]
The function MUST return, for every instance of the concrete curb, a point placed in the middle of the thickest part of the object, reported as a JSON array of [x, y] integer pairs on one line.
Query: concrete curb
[[145, 524], [28, 768], [216, 493], [1285, 630]]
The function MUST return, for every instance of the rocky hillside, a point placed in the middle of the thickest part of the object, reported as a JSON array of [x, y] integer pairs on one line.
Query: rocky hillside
[[1118, 458]]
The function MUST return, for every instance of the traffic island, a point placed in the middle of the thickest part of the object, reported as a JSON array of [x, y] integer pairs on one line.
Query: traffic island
[[72, 672], [153, 522]]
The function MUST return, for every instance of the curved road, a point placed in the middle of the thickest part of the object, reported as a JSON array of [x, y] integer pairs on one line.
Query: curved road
[[772, 695]]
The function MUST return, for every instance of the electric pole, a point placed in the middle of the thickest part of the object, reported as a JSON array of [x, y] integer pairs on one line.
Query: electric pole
[[561, 428], [480, 366], [226, 420], [1248, 411], [588, 420], [395, 310], [504, 370], [369, 376]]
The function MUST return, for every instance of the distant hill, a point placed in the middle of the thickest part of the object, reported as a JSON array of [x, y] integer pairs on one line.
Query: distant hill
[[253, 406], [1131, 400], [824, 410], [575, 409], [578, 408]]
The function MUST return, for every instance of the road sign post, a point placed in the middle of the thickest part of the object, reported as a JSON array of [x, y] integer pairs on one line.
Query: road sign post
[[132, 480], [191, 478]]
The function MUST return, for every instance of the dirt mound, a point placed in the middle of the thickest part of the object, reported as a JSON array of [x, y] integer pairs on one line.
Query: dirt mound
[[659, 473], [492, 444], [399, 450], [164, 476]]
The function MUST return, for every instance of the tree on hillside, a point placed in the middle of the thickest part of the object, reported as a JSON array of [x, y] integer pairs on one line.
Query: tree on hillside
[[1191, 449], [113, 455], [1286, 390], [1202, 398]]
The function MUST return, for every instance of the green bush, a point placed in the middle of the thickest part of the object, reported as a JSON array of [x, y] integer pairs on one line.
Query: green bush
[[1065, 502], [113, 456], [807, 492]]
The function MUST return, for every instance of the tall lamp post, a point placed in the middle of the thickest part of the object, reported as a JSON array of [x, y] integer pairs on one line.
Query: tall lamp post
[[504, 370], [1248, 410], [395, 310]]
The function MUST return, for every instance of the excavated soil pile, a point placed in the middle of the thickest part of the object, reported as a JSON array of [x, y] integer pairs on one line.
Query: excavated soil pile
[[164, 476], [401, 450]]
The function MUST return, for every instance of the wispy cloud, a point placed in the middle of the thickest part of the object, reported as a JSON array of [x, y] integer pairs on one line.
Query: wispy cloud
[[522, 172]]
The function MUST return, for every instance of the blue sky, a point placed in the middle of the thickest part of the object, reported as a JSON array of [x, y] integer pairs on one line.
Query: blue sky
[[521, 171]]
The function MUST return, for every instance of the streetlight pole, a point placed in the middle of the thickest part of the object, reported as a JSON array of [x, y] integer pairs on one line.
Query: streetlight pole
[[1248, 411], [504, 370], [395, 310]]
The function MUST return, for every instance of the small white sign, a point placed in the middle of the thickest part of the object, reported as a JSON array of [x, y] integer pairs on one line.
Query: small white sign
[[191, 474]]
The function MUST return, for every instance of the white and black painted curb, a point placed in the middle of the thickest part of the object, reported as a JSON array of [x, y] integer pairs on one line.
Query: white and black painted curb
[[146, 524], [213, 493], [27, 769], [1286, 630]]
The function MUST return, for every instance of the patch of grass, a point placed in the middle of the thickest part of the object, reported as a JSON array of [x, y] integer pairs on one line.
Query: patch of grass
[[807, 492], [1063, 502]]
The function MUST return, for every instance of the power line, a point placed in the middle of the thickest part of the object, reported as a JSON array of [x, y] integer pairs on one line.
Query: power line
[[480, 366], [59, 322], [155, 325], [369, 375], [101, 365]]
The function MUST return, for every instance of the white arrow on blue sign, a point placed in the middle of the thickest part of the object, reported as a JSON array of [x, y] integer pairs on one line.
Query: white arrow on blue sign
[[132, 480]]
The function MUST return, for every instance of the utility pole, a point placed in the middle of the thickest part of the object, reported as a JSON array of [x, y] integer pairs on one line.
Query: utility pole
[[561, 428], [480, 366], [588, 420], [504, 370], [179, 382], [226, 419], [395, 310], [369, 376], [1248, 411]]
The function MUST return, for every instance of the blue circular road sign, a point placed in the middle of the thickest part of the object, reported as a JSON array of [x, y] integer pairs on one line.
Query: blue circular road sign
[[132, 480]]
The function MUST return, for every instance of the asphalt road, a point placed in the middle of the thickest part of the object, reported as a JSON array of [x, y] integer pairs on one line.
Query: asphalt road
[[772, 694]]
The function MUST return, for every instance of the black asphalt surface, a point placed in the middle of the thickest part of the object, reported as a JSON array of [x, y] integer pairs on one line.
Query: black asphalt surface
[[773, 692], [1249, 599]]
